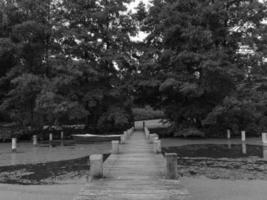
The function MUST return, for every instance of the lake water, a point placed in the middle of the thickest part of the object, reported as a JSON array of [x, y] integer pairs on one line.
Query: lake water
[[215, 148], [45, 152], [219, 150]]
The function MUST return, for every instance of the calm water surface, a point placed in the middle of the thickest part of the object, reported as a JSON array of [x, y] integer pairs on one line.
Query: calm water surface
[[45, 152], [219, 150], [216, 148]]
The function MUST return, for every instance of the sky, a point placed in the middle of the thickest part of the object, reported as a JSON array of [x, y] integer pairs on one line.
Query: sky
[[136, 2], [141, 35]]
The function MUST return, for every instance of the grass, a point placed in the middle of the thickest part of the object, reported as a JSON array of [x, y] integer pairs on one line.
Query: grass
[[45, 173]]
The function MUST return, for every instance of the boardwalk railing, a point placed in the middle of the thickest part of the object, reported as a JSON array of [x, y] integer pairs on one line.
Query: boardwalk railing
[[171, 158]]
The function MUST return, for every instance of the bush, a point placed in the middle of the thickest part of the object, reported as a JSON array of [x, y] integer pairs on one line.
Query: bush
[[190, 132], [162, 132], [147, 113]]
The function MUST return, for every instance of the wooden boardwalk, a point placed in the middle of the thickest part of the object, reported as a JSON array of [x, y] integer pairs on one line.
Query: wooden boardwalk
[[134, 174]]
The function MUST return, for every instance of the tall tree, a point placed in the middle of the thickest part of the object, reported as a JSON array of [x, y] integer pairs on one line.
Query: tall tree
[[192, 59], [95, 42], [27, 27]]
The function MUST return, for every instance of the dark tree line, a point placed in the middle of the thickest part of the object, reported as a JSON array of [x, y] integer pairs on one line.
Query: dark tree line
[[192, 66], [73, 61], [65, 61]]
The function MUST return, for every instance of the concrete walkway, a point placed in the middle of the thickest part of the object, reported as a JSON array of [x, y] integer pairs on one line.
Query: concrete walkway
[[134, 174]]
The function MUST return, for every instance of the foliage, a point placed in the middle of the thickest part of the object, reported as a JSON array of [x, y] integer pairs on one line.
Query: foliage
[[73, 61], [69, 62], [147, 113], [191, 60], [188, 132]]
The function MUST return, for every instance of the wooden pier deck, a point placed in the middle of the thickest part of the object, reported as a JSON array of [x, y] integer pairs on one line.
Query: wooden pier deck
[[135, 174]]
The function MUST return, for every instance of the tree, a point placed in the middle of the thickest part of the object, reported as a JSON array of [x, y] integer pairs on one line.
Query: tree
[[72, 57], [27, 29], [192, 56]]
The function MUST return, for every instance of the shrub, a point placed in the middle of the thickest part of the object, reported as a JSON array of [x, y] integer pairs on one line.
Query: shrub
[[147, 113], [189, 132]]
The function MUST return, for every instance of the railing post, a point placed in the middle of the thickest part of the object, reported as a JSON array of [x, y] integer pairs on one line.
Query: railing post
[[50, 137], [157, 146], [228, 134], [264, 138], [171, 165], [243, 136], [115, 147], [96, 166], [14, 144], [123, 139], [147, 133], [62, 135], [34, 140]]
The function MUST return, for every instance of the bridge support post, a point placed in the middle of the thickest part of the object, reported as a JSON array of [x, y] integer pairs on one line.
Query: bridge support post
[[115, 147], [171, 165], [264, 139], [96, 166], [34, 140], [123, 138], [14, 144], [228, 134], [62, 135], [50, 137], [243, 136], [157, 146]]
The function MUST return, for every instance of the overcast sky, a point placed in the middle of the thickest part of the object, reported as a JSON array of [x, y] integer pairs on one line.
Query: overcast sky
[[136, 2]]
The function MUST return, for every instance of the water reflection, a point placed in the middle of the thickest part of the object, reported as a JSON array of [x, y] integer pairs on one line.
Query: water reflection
[[264, 152], [229, 144], [244, 148], [58, 150], [13, 158], [227, 150]]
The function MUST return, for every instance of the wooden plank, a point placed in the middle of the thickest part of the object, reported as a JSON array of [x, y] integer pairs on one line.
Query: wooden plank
[[135, 173]]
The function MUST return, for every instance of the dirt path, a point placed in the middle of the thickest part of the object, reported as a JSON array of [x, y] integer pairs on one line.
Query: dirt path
[[202, 188], [39, 192]]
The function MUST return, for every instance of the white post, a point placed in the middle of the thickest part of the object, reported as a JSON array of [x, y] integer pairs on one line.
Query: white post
[[156, 136], [147, 133], [115, 147], [50, 137], [243, 136], [264, 152], [126, 134], [14, 145], [228, 134], [157, 146], [34, 140], [150, 138], [131, 130], [264, 138], [62, 135], [96, 166], [123, 139], [171, 165]]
